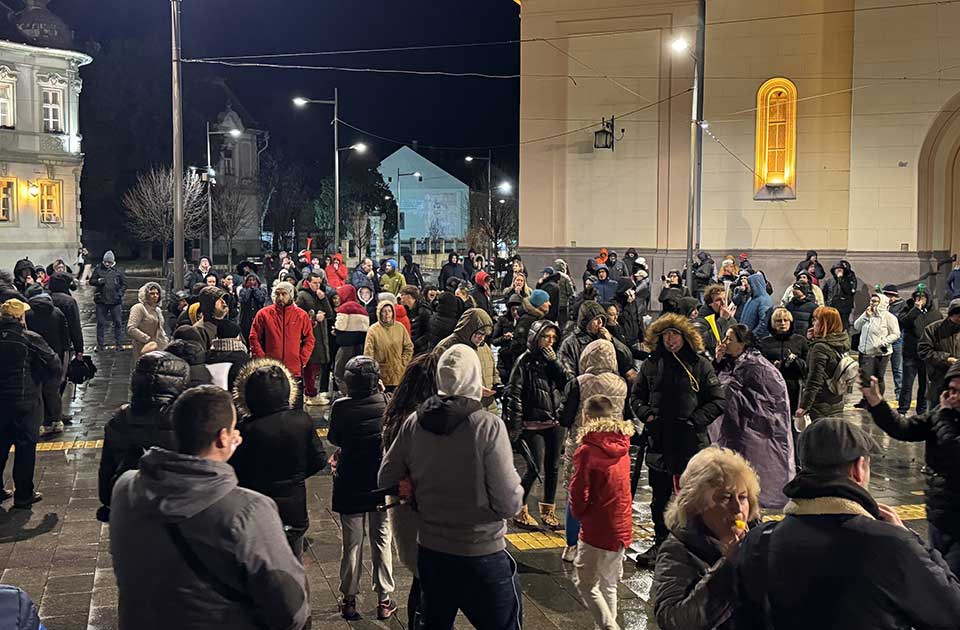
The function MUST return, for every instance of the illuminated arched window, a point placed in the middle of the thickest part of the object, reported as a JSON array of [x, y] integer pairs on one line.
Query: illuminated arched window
[[776, 159]]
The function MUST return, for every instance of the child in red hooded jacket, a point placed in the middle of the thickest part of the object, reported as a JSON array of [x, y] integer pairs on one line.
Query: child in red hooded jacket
[[600, 498]]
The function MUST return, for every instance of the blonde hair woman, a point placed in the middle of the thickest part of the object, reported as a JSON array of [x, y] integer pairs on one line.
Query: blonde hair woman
[[694, 580]]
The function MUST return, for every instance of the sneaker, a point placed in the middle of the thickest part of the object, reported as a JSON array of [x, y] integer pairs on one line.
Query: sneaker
[[648, 558], [312, 401], [348, 609], [569, 554], [385, 609], [25, 504], [57, 427], [324, 398]]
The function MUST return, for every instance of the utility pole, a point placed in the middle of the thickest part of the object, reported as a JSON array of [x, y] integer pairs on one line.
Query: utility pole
[[209, 196], [489, 229], [178, 253], [696, 143], [336, 170]]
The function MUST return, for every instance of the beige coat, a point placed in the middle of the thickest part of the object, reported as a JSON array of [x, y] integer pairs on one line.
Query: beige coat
[[145, 323], [390, 346]]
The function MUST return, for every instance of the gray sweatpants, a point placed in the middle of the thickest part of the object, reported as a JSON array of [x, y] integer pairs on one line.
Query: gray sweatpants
[[351, 558]]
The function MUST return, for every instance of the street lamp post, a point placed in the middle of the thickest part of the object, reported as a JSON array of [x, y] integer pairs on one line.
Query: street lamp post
[[399, 176], [233, 133], [489, 160], [303, 102], [178, 253], [696, 138]]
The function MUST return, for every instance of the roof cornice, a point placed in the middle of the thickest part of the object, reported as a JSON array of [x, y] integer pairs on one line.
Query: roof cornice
[[82, 59]]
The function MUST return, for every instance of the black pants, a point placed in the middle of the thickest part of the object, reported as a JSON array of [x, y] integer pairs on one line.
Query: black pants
[[414, 616], [22, 431], [876, 366], [914, 369], [545, 446], [52, 402], [662, 485]]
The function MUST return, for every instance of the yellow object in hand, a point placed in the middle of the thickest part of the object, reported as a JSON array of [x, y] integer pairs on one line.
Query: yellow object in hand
[[741, 524]]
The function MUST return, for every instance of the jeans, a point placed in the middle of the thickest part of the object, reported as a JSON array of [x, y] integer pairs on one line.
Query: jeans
[[351, 559], [571, 528], [545, 446], [597, 574], [947, 545], [106, 313], [485, 588], [876, 366], [896, 364], [662, 485], [913, 369]]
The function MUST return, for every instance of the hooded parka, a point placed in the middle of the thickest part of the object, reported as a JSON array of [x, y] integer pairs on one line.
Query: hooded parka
[[145, 323], [389, 344], [537, 381]]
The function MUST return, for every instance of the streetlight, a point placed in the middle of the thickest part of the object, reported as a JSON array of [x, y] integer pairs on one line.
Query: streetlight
[[697, 125], [419, 177], [489, 160], [301, 102], [233, 133], [360, 148], [505, 187]]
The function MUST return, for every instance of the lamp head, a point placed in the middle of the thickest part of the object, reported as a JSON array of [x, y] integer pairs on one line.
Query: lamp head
[[359, 147], [679, 45], [299, 101], [234, 133], [469, 158], [505, 187]]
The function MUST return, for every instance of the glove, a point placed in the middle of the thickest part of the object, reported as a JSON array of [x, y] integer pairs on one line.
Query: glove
[[884, 348], [549, 353]]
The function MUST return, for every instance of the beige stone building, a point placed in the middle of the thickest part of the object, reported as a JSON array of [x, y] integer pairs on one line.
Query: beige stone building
[[834, 127]]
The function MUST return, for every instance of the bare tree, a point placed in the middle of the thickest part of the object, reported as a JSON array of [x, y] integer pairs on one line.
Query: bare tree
[[149, 206], [232, 213], [500, 225], [359, 229]]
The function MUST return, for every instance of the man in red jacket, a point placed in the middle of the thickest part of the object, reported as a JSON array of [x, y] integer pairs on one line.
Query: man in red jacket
[[601, 500], [283, 331]]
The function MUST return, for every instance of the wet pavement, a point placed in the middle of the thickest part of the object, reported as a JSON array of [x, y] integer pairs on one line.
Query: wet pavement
[[59, 553]]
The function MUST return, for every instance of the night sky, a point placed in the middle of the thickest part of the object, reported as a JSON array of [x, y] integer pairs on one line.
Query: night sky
[[433, 110]]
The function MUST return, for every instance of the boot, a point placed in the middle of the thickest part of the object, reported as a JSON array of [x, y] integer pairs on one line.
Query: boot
[[648, 558], [548, 514], [523, 520]]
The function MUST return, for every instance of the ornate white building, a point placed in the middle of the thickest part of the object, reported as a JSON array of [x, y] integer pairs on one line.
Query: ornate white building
[[40, 143]]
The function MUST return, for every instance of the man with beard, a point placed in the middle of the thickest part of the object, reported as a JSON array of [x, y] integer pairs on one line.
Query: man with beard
[[591, 325], [283, 331], [939, 348]]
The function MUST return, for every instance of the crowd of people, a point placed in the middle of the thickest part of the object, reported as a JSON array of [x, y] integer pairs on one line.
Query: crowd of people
[[728, 397]]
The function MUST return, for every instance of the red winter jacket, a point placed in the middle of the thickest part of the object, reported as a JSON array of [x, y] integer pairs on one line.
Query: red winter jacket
[[336, 278], [400, 313], [600, 488], [284, 334]]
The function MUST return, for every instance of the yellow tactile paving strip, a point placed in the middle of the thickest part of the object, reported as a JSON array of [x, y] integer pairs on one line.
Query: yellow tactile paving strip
[[536, 540], [68, 445]]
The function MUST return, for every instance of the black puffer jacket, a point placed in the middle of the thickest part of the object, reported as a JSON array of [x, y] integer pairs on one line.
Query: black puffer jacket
[[913, 321], [445, 317], [839, 292], [26, 362], [195, 356], [802, 311], [157, 381], [529, 315], [573, 345], [683, 400], [280, 448], [777, 348], [631, 319], [940, 341], [48, 321], [506, 325], [420, 328], [59, 287], [356, 427], [940, 429], [537, 381]]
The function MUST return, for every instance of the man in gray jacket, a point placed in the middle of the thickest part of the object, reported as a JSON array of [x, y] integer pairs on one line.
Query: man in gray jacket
[[190, 548], [458, 460]]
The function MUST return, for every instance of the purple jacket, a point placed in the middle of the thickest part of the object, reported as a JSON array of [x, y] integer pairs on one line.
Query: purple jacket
[[756, 423]]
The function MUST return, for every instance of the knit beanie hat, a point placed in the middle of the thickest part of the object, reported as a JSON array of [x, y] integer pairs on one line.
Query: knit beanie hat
[[539, 297], [109, 257], [208, 301]]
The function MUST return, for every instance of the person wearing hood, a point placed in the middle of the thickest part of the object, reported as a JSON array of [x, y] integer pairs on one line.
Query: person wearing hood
[[840, 290], [59, 287], [803, 278], [704, 270], [190, 345], [534, 308], [109, 284], [795, 573], [389, 344], [146, 421], [591, 325], [756, 421], [280, 448], [879, 330], [252, 297], [28, 365], [566, 292], [531, 413], [630, 318], [356, 427], [392, 281], [418, 314], [600, 497], [806, 263], [177, 306], [756, 310], [283, 331], [198, 275], [444, 317], [470, 264], [896, 307], [914, 319], [49, 322], [606, 287], [399, 311], [350, 332], [213, 311], [452, 269], [828, 344], [188, 504], [25, 278], [503, 333], [453, 459], [312, 299], [412, 274], [473, 328], [939, 348], [787, 351], [676, 397], [336, 272], [598, 377], [695, 579], [145, 323], [615, 267], [590, 272], [940, 429], [801, 306], [481, 292], [673, 290], [368, 300], [630, 258]]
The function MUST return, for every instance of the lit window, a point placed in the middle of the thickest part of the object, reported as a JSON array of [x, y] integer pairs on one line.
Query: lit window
[[7, 101], [8, 188], [52, 110], [228, 167], [776, 151], [50, 213]]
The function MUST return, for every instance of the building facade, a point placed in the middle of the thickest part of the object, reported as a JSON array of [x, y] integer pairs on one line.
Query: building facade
[[41, 157], [832, 126], [237, 166]]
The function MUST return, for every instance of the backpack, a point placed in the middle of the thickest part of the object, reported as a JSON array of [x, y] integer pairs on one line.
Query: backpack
[[844, 375], [17, 610]]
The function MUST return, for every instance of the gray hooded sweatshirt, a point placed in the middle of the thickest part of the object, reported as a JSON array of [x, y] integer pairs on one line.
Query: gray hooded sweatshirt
[[235, 532], [458, 457]]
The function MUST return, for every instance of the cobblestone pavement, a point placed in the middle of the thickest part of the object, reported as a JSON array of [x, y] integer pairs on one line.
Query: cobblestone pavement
[[60, 554]]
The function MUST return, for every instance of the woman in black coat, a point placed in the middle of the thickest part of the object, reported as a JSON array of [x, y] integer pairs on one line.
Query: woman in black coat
[[787, 351], [280, 448]]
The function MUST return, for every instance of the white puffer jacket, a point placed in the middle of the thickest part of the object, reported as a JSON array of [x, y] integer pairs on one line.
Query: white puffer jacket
[[877, 331]]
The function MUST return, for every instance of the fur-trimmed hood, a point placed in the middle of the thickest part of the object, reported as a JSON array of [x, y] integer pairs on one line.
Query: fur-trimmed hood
[[242, 397], [606, 425], [678, 322]]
